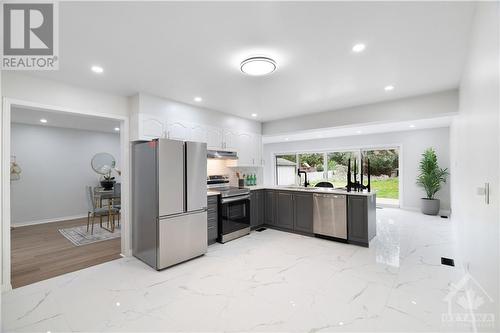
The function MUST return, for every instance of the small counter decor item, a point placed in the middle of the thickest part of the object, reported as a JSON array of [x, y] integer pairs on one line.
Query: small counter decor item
[[430, 178]]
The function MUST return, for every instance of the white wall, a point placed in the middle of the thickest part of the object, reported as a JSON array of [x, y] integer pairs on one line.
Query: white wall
[[172, 110], [55, 166], [53, 93], [417, 107], [475, 156], [413, 144]]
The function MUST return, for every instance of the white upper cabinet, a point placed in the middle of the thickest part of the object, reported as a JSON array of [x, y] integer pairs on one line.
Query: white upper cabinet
[[248, 145], [230, 140], [150, 128], [249, 149], [257, 143], [214, 138], [178, 131], [245, 148], [199, 134]]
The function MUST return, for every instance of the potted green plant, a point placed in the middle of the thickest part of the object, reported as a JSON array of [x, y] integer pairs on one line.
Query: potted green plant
[[107, 182], [430, 178]]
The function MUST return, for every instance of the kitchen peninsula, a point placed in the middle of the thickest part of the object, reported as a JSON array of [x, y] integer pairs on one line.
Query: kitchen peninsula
[[304, 210]]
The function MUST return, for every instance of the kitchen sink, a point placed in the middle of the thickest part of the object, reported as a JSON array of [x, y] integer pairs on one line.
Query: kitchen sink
[[302, 188]]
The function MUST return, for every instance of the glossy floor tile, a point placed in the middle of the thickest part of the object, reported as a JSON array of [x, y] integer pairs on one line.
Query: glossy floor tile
[[268, 281]]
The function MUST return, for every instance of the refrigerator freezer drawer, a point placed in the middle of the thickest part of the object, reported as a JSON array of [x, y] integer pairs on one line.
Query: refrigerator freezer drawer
[[181, 238]]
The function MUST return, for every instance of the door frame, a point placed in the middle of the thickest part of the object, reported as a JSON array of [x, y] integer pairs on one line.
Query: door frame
[[5, 135]]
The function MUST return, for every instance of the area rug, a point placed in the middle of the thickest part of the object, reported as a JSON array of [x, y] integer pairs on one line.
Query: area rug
[[79, 235]]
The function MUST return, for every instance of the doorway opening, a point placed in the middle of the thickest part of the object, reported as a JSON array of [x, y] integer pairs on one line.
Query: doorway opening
[[65, 192]]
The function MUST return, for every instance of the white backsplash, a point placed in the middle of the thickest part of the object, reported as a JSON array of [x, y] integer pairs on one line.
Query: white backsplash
[[230, 168]]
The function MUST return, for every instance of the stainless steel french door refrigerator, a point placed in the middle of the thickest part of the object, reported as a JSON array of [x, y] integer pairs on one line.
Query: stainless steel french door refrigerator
[[169, 196]]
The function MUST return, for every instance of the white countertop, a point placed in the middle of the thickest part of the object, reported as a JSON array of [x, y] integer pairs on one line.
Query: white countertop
[[309, 190]]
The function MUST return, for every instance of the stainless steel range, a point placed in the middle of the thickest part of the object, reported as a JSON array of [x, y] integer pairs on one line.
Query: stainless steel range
[[234, 208]]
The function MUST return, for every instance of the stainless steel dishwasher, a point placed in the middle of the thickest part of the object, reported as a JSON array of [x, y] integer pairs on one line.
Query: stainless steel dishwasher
[[330, 215]]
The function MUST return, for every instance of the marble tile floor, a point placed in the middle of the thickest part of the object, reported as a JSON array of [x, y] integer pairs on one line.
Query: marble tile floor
[[269, 281]]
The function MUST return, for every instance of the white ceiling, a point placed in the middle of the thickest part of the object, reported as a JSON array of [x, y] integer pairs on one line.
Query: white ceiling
[[63, 119], [182, 50], [386, 127]]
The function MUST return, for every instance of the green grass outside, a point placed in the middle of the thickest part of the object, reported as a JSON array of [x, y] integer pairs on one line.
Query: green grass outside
[[386, 188]]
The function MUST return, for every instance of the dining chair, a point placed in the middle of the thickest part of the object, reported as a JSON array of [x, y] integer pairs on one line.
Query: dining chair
[[93, 211]]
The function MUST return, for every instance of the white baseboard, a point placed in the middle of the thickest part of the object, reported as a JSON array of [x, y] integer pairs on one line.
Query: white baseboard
[[387, 205], [56, 219], [6, 287], [445, 212]]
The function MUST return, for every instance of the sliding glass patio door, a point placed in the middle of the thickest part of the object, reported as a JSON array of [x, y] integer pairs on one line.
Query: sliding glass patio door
[[384, 166]]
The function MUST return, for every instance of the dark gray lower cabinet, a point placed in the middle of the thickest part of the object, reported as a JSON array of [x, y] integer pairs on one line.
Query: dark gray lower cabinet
[[212, 216], [256, 208], [269, 207], [284, 209], [303, 212], [293, 211], [361, 219]]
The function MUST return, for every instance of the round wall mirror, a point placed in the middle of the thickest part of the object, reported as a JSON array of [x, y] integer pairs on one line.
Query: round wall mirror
[[103, 163]]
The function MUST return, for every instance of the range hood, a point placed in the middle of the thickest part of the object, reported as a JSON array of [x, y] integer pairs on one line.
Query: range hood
[[222, 154]]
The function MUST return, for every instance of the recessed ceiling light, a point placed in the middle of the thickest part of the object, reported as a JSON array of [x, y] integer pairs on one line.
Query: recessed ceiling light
[[412, 126], [97, 69], [254, 115], [198, 99], [117, 129], [358, 48], [43, 120], [389, 88], [117, 303], [359, 132], [286, 139], [257, 66]]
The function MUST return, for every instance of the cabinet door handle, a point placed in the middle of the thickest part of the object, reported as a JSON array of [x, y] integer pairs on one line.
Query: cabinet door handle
[[487, 193]]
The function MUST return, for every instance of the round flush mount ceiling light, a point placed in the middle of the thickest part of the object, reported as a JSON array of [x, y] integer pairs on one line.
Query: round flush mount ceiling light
[[257, 66], [389, 88], [97, 69], [198, 99], [358, 48], [43, 121]]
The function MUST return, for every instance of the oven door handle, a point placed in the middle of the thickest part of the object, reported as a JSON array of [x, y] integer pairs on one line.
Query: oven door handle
[[233, 199]]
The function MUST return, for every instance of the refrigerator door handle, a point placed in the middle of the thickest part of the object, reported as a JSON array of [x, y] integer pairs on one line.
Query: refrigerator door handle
[[196, 175], [164, 217]]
